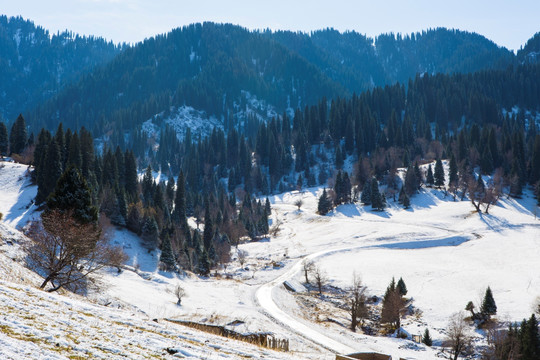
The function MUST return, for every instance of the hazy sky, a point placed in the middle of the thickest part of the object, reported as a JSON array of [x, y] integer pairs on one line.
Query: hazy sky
[[509, 23]]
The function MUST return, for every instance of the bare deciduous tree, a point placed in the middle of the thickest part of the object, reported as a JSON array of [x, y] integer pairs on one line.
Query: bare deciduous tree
[[320, 278], [179, 292], [307, 268], [298, 203], [458, 339], [357, 302], [67, 252], [242, 255]]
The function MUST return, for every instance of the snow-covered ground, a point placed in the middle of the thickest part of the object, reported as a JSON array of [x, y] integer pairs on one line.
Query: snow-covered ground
[[446, 253], [16, 194]]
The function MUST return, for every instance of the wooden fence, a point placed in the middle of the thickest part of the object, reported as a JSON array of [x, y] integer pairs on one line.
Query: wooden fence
[[266, 340], [364, 356]]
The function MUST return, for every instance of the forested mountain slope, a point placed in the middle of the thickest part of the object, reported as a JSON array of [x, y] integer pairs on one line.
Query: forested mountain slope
[[220, 68], [34, 64]]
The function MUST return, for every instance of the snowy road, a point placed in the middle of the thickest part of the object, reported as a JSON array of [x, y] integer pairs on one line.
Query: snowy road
[[265, 299]]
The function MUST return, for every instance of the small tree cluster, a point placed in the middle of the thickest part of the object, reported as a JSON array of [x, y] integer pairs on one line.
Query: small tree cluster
[[487, 308], [394, 305]]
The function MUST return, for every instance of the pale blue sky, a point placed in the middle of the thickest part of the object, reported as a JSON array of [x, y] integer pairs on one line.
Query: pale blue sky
[[508, 23]]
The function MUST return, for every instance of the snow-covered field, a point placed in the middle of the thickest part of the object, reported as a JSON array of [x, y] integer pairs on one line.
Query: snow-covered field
[[446, 254]]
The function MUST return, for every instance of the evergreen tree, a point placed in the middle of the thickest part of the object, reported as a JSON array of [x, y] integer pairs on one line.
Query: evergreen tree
[[148, 187], [411, 181], [18, 136], [426, 338], [535, 160], [339, 157], [429, 177], [74, 152], [4, 140], [73, 194], [324, 206], [51, 170], [402, 288], [180, 216], [130, 171], [167, 256], [150, 232], [204, 264], [377, 199], [488, 304], [529, 337], [208, 232], [418, 175], [439, 173], [406, 201], [366, 193], [452, 171]]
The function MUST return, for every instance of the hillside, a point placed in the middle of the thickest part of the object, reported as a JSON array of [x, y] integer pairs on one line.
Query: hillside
[[219, 68], [446, 253], [35, 65]]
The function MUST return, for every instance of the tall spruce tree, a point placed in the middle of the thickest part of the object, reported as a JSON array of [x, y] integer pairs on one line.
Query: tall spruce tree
[[365, 198], [430, 180], [167, 257], [535, 161], [73, 194], [402, 288], [426, 338], [324, 206], [377, 199], [208, 232], [18, 136], [130, 170], [439, 173], [488, 304], [180, 216], [453, 171], [4, 140], [50, 172]]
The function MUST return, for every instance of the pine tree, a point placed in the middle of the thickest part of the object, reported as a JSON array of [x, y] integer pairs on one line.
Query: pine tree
[[402, 288], [130, 171], [73, 194], [529, 337], [411, 181], [148, 187], [4, 140], [418, 176], [204, 263], [18, 136], [377, 199], [453, 171], [429, 177], [488, 304], [366, 193], [324, 206], [150, 232], [51, 170], [426, 338], [406, 201], [339, 157], [535, 160], [167, 256], [208, 232], [439, 173]]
